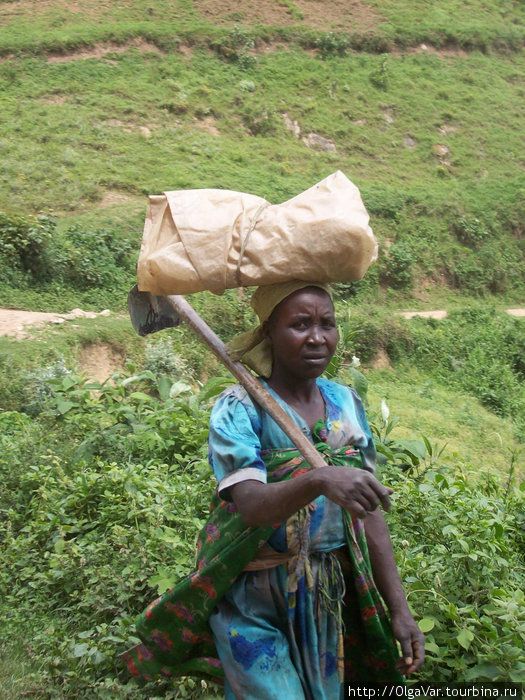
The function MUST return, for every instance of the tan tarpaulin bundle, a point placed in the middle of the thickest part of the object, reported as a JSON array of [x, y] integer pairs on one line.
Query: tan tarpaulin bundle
[[217, 239]]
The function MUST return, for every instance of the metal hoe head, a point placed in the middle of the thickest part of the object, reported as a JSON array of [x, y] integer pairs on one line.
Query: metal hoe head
[[150, 313]]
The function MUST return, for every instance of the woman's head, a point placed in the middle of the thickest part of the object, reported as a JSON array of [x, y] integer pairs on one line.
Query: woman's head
[[302, 333], [254, 348]]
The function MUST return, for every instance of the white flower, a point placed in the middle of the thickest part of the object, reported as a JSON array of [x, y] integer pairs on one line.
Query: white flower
[[356, 362], [385, 411]]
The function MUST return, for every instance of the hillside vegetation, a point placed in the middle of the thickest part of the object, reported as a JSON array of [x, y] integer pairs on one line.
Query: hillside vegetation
[[103, 103]]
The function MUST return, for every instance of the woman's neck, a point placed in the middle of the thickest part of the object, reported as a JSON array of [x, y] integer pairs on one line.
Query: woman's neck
[[303, 395], [292, 388]]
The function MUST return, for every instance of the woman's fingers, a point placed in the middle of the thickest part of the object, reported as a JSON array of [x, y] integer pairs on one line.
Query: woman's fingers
[[356, 490], [411, 640]]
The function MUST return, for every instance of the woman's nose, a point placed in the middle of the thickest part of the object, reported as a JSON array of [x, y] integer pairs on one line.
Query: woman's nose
[[315, 336]]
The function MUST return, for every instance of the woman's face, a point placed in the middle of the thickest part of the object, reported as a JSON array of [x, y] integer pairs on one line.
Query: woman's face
[[302, 333]]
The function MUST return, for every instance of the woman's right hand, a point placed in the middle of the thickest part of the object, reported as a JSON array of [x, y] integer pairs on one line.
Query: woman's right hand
[[355, 490]]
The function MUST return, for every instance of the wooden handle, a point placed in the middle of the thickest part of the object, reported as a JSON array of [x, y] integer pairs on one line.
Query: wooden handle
[[254, 388]]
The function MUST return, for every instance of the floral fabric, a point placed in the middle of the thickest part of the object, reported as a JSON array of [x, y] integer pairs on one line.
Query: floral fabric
[[175, 628]]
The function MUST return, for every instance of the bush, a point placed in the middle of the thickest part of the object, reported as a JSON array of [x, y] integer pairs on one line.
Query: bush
[[37, 390], [459, 537], [398, 269], [479, 351], [376, 333], [235, 47], [35, 256], [332, 44], [87, 534], [471, 231], [162, 359], [84, 543], [25, 244]]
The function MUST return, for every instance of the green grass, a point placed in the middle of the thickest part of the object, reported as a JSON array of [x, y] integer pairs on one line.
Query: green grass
[[468, 432], [90, 138], [82, 131], [75, 128], [488, 25]]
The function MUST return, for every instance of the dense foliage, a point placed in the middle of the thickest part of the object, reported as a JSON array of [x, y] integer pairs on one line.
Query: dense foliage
[[104, 496], [478, 350], [66, 268]]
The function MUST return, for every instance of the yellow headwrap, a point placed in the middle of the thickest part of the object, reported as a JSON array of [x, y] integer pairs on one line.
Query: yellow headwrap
[[251, 347]]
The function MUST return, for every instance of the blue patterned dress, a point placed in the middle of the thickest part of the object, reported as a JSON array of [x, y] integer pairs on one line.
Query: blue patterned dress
[[267, 653]]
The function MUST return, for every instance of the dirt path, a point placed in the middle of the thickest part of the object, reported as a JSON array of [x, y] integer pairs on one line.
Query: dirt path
[[17, 323], [441, 313]]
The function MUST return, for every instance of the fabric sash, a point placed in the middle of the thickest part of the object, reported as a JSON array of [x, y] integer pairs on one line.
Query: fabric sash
[[176, 637]]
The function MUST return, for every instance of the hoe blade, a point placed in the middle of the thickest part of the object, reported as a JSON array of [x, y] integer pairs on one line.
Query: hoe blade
[[150, 313]]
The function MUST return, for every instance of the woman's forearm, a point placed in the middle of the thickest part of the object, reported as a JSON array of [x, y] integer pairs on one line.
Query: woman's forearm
[[384, 567], [356, 490], [386, 577], [270, 504]]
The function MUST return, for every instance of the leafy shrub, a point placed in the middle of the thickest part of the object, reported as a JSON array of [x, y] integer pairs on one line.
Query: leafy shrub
[[25, 243], [87, 538], [227, 314], [95, 258], [37, 390], [379, 76], [479, 351], [34, 252], [471, 231], [399, 266], [459, 536], [259, 120], [467, 273], [489, 265], [332, 44], [235, 47], [379, 333], [84, 544], [162, 359]]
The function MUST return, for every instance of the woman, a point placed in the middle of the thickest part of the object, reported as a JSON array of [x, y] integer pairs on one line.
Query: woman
[[283, 570], [293, 347]]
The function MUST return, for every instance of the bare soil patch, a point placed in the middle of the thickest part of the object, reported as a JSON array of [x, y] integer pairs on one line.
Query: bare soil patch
[[381, 360], [208, 124], [111, 198], [442, 52], [130, 127], [59, 100], [347, 15], [17, 323], [439, 314], [100, 360], [85, 8], [99, 51]]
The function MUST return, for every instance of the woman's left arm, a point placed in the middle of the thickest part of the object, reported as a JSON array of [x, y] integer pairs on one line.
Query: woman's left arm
[[387, 579]]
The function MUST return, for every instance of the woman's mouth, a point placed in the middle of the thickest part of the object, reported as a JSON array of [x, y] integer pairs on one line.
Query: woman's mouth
[[314, 359]]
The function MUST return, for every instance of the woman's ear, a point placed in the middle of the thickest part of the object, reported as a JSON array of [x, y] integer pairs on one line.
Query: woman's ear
[[267, 331]]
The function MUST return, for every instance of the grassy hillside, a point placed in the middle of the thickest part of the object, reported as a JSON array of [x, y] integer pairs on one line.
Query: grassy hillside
[[103, 103]]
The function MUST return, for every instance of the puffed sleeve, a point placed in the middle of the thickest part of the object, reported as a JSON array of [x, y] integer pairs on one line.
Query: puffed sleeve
[[234, 446]]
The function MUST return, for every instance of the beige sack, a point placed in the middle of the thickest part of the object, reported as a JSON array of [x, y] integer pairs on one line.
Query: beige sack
[[218, 239]]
